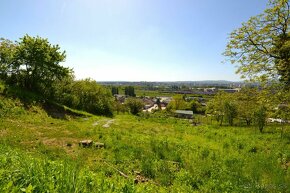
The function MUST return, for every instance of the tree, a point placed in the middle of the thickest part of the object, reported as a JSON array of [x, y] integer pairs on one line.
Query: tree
[[261, 46], [119, 107], [32, 63], [135, 105], [246, 104], [223, 106], [230, 111], [196, 107], [215, 107], [158, 102], [85, 95], [38, 63], [7, 50], [130, 91], [115, 90], [93, 97], [178, 103], [281, 107], [260, 117]]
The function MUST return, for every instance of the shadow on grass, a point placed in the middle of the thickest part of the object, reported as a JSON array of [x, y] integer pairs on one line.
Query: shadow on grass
[[53, 109]]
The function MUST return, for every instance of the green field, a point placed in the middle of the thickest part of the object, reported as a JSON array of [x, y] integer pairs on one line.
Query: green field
[[41, 154]]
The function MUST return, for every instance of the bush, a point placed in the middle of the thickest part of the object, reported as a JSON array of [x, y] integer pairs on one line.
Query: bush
[[10, 108], [135, 105], [85, 95]]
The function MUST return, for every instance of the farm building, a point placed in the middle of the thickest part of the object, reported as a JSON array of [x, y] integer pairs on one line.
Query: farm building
[[183, 114]]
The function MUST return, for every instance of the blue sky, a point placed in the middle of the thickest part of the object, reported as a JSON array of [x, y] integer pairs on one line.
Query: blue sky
[[134, 40]]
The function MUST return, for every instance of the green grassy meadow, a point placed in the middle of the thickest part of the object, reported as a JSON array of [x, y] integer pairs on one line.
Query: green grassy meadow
[[149, 153]]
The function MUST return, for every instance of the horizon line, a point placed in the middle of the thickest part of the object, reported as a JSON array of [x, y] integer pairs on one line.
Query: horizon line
[[170, 81]]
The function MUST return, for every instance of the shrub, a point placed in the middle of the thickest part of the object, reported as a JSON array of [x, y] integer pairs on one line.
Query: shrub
[[85, 95], [135, 105]]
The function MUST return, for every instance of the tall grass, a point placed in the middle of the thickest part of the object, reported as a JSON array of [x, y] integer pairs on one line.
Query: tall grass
[[22, 173], [171, 154]]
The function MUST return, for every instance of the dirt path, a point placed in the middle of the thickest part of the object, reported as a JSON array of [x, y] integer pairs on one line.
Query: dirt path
[[96, 123], [108, 124]]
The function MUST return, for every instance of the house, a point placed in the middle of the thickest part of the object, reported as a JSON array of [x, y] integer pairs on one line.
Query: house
[[148, 103], [165, 100], [183, 114], [154, 107], [232, 90]]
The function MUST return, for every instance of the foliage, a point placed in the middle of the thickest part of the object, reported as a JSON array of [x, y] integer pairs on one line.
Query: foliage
[[115, 90], [23, 173], [33, 64], [243, 105], [261, 116], [158, 102], [135, 105], [280, 103], [261, 46], [247, 100], [178, 103], [196, 107], [230, 111], [168, 152], [120, 107], [10, 108], [85, 95], [216, 108], [130, 91], [7, 51]]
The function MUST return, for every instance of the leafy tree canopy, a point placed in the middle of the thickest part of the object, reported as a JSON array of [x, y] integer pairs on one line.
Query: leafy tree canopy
[[261, 47], [135, 105], [32, 63], [38, 60], [7, 50], [86, 95], [130, 91]]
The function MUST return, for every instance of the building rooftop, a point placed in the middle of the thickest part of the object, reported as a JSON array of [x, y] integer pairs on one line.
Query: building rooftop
[[184, 112]]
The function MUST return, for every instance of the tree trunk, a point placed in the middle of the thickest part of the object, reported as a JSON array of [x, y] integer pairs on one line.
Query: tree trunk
[[261, 129], [222, 119], [248, 122]]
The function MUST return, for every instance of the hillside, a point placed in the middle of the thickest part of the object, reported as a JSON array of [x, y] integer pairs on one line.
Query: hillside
[[150, 153], [67, 125]]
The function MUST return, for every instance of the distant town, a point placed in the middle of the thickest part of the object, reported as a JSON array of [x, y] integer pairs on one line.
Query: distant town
[[209, 87], [157, 95]]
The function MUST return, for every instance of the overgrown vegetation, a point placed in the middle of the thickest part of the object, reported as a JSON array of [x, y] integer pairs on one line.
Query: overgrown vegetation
[[39, 153], [135, 105], [261, 46], [249, 106], [33, 64], [181, 102], [86, 95]]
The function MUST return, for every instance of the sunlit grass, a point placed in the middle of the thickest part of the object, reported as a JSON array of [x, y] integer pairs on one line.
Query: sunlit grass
[[170, 153]]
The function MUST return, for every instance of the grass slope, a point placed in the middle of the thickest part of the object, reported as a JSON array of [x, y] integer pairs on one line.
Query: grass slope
[[39, 153]]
